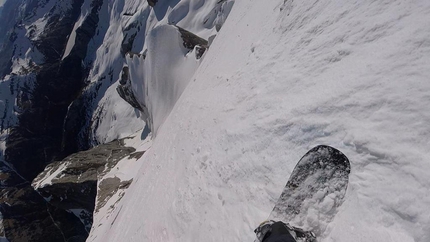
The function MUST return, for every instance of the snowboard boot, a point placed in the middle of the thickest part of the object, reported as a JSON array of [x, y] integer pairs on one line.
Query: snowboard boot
[[271, 231]]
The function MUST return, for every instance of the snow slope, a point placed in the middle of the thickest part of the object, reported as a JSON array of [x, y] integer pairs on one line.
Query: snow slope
[[279, 79], [151, 34]]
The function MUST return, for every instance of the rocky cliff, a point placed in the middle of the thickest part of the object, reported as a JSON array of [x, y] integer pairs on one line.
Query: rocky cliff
[[74, 183]]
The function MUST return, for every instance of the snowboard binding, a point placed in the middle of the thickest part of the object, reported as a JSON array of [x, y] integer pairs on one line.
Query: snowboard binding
[[304, 236], [271, 228]]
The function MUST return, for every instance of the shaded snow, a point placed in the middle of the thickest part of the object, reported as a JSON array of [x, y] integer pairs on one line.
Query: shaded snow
[[353, 75], [119, 118], [168, 69]]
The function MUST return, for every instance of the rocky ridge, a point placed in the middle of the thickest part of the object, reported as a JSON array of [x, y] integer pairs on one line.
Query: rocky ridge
[[74, 183]]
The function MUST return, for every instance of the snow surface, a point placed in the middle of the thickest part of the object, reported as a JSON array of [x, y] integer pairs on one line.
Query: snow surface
[[53, 174], [119, 118], [126, 169], [168, 68], [280, 78]]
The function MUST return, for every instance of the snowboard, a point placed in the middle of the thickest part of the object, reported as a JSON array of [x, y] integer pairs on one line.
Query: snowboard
[[315, 190]]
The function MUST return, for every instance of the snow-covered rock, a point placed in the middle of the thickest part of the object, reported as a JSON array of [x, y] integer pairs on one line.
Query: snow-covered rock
[[26, 216], [75, 183]]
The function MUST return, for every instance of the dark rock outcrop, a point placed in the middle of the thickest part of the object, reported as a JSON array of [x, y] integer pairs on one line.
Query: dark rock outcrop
[[37, 139], [71, 184], [58, 83], [152, 2], [130, 33], [26, 216], [9, 15], [125, 90], [125, 75], [75, 117], [107, 188], [87, 30], [191, 40]]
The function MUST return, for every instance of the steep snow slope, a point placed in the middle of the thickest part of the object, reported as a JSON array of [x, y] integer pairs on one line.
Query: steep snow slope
[[279, 79], [61, 94], [144, 32]]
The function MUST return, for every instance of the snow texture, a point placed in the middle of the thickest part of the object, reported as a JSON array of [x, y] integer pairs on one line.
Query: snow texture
[[53, 174], [314, 191], [126, 169], [280, 78], [168, 69]]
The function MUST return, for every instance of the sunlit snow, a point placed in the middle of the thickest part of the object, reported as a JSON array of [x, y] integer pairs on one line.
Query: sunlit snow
[[279, 79]]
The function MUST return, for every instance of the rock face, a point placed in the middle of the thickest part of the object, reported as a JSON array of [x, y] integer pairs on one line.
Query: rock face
[[8, 17], [125, 90], [37, 138], [26, 216], [86, 31], [71, 184], [73, 121], [191, 40], [44, 87]]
